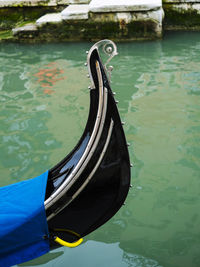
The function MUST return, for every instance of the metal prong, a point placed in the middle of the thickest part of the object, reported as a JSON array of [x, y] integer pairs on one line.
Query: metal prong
[[128, 144], [116, 101], [123, 122], [89, 87], [88, 75], [131, 165], [131, 185], [114, 93], [124, 204], [86, 52], [85, 63]]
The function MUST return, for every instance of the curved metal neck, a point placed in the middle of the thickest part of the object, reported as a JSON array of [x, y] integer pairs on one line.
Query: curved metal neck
[[109, 48]]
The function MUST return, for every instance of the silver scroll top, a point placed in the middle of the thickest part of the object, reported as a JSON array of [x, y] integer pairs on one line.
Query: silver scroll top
[[107, 49]]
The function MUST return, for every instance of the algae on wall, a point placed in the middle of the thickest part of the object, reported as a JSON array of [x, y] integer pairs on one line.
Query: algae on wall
[[90, 30], [13, 16], [181, 15], [131, 26], [6, 35]]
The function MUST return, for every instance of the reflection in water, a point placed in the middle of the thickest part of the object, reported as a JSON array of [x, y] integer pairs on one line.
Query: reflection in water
[[35, 125], [160, 105], [158, 86], [48, 76]]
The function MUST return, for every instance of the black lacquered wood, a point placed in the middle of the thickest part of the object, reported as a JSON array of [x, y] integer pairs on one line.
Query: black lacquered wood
[[105, 193]]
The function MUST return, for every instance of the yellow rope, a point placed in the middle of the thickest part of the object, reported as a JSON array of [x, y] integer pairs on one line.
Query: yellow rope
[[67, 244]]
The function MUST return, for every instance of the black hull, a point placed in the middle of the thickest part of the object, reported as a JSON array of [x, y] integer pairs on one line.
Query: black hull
[[90, 185]]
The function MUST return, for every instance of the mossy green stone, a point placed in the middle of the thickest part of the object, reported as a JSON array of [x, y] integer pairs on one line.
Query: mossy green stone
[[96, 27], [12, 16], [5, 35], [179, 18], [90, 30]]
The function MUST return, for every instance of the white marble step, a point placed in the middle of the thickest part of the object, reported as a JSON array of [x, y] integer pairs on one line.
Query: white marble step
[[75, 12], [49, 18], [72, 12], [25, 28], [99, 6], [80, 12]]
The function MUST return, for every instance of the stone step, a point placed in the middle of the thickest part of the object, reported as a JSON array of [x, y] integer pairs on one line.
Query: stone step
[[72, 12], [99, 6], [49, 18], [131, 18], [29, 28], [75, 12]]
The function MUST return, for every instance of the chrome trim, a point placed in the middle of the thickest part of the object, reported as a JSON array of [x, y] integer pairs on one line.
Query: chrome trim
[[91, 174], [93, 142], [101, 44], [99, 160]]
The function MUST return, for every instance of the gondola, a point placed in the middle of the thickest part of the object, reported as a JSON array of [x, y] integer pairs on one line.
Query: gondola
[[91, 183]]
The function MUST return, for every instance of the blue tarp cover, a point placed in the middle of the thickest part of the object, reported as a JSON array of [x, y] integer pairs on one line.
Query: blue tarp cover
[[23, 222]]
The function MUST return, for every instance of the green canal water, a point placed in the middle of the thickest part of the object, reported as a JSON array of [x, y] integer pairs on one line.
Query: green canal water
[[44, 103]]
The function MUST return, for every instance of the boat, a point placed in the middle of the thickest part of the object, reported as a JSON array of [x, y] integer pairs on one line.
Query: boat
[[91, 183], [88, 187]]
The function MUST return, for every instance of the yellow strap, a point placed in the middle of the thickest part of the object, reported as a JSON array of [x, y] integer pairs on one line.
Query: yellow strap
[[67, 244]]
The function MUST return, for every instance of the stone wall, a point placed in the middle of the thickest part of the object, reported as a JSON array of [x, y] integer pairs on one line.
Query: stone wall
[[115, 19], [31, 3], [182, 14], [18, 12]]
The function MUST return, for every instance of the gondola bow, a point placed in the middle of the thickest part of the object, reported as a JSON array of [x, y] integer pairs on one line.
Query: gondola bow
[[90, 185]]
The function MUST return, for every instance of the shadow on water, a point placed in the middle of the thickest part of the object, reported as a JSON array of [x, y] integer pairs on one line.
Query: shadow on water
[[158, 86]]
